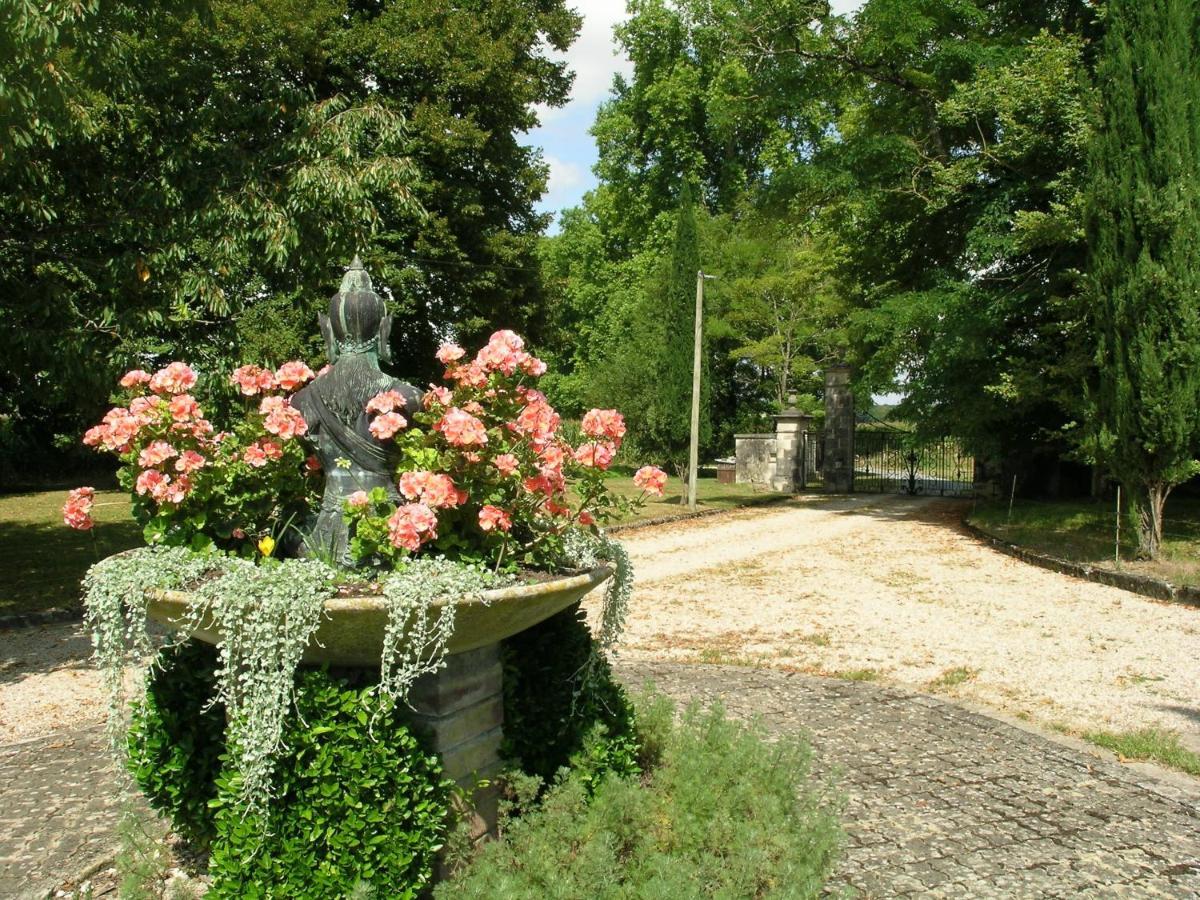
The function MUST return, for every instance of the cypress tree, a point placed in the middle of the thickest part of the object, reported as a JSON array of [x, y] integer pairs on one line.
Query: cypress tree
[[1143, 234], [670, 314]]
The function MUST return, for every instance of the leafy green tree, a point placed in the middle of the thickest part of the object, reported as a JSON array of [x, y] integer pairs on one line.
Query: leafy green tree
[[957, 156], [188, 180], [1143, 229], [784, 302]]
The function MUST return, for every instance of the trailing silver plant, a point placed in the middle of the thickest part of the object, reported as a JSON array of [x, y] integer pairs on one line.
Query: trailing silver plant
[[114, 596], [266, 615], [418, 630], [586, 550]]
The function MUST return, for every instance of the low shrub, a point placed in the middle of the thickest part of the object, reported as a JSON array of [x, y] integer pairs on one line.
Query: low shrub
[[726, 814], [357, 801]]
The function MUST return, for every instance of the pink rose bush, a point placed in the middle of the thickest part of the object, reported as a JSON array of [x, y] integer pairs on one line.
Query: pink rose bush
[[485, 472], [192, 484]]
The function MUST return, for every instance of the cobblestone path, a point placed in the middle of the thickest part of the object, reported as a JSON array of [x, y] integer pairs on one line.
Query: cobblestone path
[[944, 802], [58, 811], [941, 801]]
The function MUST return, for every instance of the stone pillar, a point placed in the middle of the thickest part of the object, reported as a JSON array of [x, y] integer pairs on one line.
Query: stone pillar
[[461, 709], [790, 426], [838, 468]]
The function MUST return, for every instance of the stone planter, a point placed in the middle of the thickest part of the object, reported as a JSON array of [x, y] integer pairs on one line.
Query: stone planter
[[461, 707], [351, 634]]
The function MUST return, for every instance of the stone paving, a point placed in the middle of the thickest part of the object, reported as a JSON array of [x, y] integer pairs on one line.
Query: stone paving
[[945, 802], [940, 801], [58, 811]]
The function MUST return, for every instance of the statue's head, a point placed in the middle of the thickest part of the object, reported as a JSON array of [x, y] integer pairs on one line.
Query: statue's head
[[357, 321]]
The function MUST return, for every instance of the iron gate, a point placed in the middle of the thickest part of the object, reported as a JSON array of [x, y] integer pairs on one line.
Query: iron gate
[[892, 461]]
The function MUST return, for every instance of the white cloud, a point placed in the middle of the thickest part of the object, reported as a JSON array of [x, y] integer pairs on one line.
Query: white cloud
[[565, 177], [593, 57]]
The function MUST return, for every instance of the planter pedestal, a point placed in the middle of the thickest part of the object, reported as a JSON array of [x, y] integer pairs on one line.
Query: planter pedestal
[[461, 709]]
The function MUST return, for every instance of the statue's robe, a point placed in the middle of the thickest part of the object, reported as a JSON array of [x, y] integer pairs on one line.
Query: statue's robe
[[351, 457]]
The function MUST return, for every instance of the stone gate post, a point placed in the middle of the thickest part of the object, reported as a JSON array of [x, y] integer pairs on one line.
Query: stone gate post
[[838, 469], [790, 425]]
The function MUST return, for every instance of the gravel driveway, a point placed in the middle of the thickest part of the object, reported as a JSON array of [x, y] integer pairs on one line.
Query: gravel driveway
[[892, 588]]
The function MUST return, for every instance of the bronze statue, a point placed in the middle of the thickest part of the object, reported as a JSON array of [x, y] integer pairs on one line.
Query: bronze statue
[[334, 408]]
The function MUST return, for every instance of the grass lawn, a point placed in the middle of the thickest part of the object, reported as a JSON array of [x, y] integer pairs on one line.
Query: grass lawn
[[44, 560], [1084, 531], [710, 494]]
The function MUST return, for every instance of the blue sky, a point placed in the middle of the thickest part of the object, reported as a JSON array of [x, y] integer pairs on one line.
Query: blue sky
[[563, 134]]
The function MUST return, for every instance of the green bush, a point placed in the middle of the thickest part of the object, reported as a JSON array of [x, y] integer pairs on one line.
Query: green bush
[[725, 815], [358, 803], [176, 739], [562, 706]]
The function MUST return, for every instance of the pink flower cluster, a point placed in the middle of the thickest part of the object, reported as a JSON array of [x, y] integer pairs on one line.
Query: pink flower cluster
[[387, 420], [282, 419], [252, 380], [412, 525], [77, 511], [461, 429], [435, 490], [504, 353], [651, 479]]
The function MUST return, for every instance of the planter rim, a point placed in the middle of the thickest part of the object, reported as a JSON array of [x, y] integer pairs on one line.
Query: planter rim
[[589, 579]]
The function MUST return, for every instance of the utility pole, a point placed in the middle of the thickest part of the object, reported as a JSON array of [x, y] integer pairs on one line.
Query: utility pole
[[694, 448]]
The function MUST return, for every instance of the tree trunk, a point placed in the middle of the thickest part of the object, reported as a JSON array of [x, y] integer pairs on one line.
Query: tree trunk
[[1150, 502]]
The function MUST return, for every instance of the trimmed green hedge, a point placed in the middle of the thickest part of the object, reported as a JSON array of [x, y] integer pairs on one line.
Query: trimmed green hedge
[[358, 803]]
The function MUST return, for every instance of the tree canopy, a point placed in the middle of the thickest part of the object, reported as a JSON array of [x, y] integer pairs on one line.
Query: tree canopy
[[187, 178]]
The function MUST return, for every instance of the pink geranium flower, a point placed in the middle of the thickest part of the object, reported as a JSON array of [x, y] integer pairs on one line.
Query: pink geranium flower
[[176, 378], [461, 429], [387, 425], [473, 375], [155, 454], [533, 366], [285, 421], [386, 402], [176, 491], [358, 500], [293, 374], [184, 408], [450, 352], [190, 461], [437, 395], [604, 423], [412, 525], [596, 454], [506, 463], [135, 377], [493, 517], [151, 481], [651, 479], [252, 380], [260, 452], [77, 511], [434, 489], [538, 421]]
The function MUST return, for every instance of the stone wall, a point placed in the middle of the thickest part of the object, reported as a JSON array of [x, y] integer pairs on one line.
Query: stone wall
[[755, 458]]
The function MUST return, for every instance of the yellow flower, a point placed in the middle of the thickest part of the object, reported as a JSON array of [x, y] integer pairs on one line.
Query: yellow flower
[[266, 546]]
